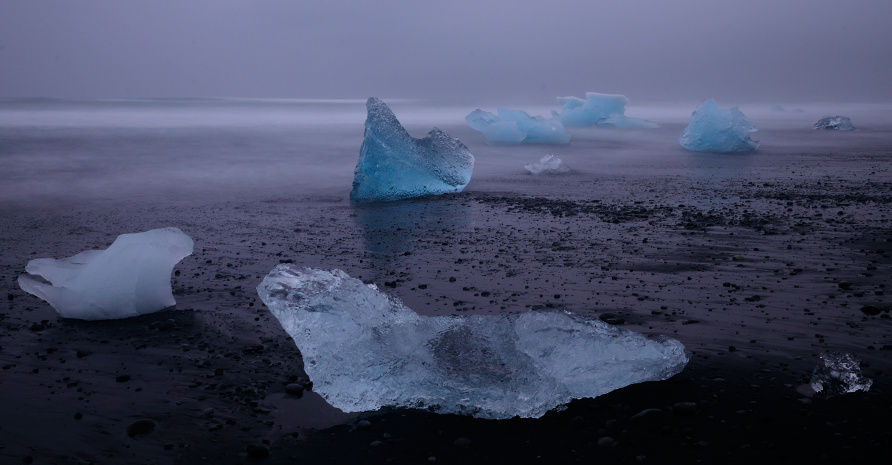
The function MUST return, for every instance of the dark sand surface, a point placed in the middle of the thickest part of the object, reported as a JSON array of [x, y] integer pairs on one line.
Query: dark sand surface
[[756, 274]]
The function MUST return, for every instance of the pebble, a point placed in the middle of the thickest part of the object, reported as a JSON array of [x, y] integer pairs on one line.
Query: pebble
[[257, 452], [142, 426], [363, 424], [870, 310], [294, 389], [685, 408], [606, 441], [462, 442], [645, 412]]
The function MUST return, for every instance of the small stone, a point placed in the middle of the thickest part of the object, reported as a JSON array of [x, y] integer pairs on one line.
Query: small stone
[[844, 284], [462, 442], [208, 412], [363, 424], [606, 441], [257, 452], [611, 319], [294, 389], [143, 426], [645, 412], [685, 408], [870, 310], [578, 423], [122, 378], [737, 258]]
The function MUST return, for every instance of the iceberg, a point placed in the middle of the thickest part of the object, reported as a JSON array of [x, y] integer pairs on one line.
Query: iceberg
[[364, 350], [549, 164], [713, 129], [599, 110], [517, 127], [393, 165], [839, 123], [840, 374], [130, 278]]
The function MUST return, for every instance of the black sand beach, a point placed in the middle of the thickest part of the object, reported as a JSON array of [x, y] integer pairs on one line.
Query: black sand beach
[[756, 275]]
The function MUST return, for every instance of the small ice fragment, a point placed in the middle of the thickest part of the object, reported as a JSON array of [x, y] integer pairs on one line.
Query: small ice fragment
[[549, 164], [839, 123], [517, 127], [599, 110], [130, 278], [840, 374], [364, 350], [393, 165], [713, 129]]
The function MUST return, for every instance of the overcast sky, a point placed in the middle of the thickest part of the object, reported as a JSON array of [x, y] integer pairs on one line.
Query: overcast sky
[[783, 51]]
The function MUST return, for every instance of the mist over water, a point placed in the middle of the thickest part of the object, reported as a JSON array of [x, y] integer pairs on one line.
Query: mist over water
[[55, 153]]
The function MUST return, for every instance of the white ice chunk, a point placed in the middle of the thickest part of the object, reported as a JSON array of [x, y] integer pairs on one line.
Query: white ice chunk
[[839, 123], [599, 110], [517, 127], [840, 374], [549, 164], [364, 350], [393, 165], [130, 278], [713, 129]]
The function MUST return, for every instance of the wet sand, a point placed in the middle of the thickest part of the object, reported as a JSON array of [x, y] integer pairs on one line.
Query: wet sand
[[755, 274]]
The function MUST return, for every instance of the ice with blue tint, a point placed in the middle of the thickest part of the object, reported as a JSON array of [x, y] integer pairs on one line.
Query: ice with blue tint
[[130, 278], [599, 110], [838, 123], [509, 127], [714, 129], [364, 350], [549, 164], [393, 165]]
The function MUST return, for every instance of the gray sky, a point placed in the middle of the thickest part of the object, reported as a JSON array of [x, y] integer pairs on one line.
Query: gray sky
[[502, 51]]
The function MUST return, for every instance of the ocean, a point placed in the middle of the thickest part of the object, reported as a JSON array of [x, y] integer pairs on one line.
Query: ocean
[[54, 153]]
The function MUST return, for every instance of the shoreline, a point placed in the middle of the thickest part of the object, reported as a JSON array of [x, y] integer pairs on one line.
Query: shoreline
[[656, 260]]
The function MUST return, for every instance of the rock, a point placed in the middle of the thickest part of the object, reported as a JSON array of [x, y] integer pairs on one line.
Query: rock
[[294, 389], [685, 408], [462, 442], [257, 452], [606, 441], [646, 412], [138, 427], [844, 285], [578, 423], [363, 424], [870, 310], [612, 319]]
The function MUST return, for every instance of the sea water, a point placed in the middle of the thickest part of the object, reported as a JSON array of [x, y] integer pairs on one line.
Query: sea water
[[54, 153]]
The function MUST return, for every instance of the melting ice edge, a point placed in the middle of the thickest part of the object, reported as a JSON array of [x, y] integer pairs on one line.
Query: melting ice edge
[[364, 350]]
